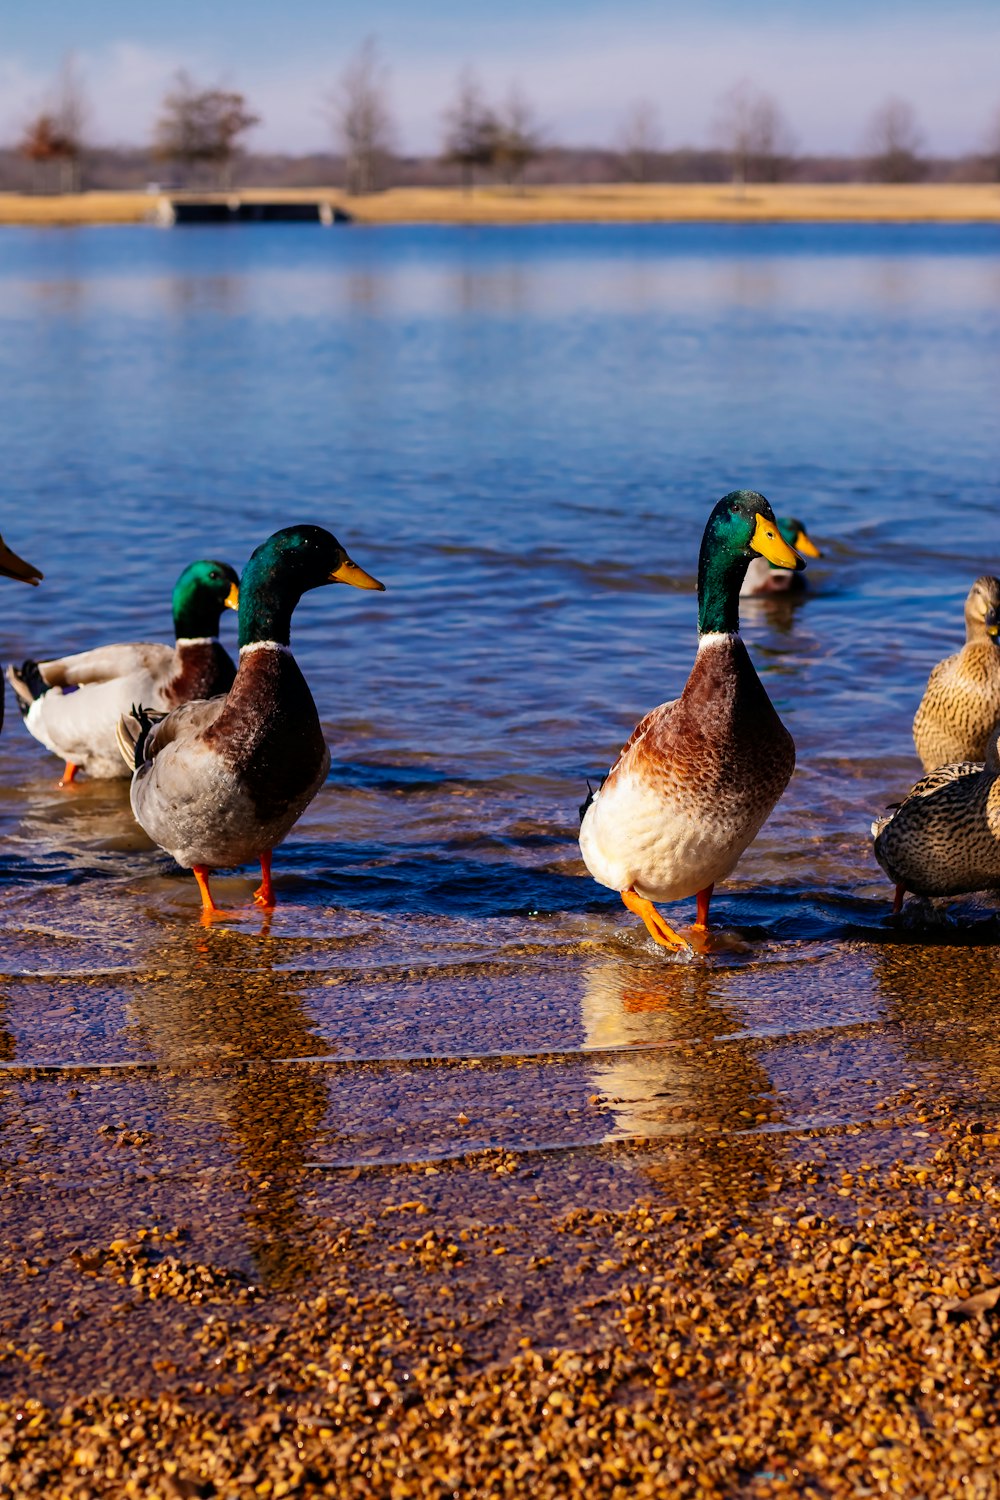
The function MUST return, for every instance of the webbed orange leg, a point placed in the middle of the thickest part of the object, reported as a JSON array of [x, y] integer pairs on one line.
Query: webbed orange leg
[[69, 774], [897, 905], [659, 930], [264, 894], [200, 873], [704, 899]]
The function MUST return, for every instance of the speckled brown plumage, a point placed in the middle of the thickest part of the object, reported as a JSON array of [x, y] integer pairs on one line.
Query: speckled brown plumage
[[944, 838], [961, 703]]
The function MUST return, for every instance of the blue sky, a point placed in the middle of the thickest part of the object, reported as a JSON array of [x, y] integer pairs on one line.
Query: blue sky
[[828, 62]]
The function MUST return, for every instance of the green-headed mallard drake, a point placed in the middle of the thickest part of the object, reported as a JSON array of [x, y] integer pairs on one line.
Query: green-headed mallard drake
[[961, 703], [699, 775], [944, 837], [12, 566], [763, 577], [222, 783], [72, 705]]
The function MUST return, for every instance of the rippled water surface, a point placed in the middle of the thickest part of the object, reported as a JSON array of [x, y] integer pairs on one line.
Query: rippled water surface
[[522, 432]]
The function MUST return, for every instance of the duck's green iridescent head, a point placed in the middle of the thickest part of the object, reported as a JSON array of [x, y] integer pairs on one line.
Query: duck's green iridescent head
[[279, 573], [201, 593], [742, 526], [796, 536]]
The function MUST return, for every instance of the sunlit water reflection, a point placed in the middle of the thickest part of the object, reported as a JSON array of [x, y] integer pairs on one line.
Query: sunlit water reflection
[[522, 433]]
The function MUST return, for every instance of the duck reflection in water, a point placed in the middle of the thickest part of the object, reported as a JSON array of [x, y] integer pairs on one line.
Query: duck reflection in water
[[233, 1029], [944, 1002], [668, 1071]]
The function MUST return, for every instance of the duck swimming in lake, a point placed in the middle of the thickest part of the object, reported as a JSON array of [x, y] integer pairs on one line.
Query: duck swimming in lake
[[764, 578], [699, 776], [944, 837], [12, 566], [222, 783], [961, 703], [72, 705]]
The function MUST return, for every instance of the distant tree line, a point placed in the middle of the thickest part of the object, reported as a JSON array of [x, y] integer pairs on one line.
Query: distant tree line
[[200, 132]]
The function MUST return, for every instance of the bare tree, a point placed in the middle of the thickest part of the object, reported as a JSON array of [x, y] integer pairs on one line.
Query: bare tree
[[893, 143], [471, 129], [56, 134], [991, 151], [640, 140], [752, 129], [202, 127], [517, 139], [363, 120]]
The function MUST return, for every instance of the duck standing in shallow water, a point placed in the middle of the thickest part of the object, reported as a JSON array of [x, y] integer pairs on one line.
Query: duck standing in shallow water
[[699, 776], [222, 783], [764, 579], [72, 705], [12, 566], [961, 703], [944, 837]]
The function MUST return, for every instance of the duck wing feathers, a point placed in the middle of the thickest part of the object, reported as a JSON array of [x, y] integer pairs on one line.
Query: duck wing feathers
[[105, 663]]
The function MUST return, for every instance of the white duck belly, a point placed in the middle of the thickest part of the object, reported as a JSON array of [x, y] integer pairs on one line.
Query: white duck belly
[[634, 837], [79, 724]]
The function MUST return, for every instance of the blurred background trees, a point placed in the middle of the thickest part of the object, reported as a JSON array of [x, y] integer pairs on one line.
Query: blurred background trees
[[470, 131], [893, 143], [640, 141], [517, 140], [755, 135], [202, 131], [53, 140], [362, 120], [200, 128], [480, 137]]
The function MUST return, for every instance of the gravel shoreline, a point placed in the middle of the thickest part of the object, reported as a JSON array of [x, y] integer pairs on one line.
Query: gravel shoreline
[[684, 1318]]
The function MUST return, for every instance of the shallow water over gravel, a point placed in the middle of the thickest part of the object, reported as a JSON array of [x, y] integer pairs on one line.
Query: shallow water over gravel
[[521, 432]]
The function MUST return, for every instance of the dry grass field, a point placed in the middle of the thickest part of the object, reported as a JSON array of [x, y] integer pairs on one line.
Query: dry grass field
[[613, 202]]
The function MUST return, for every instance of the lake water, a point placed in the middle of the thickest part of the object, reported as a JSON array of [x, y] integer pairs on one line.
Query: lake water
[[521, 431]]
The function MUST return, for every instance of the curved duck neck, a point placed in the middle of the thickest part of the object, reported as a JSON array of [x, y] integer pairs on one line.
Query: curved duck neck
[[196, 618], [266, 604], [720, 573]]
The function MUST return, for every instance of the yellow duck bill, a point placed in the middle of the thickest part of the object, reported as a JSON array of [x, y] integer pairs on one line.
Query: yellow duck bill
[[768, 541], [349, 572]]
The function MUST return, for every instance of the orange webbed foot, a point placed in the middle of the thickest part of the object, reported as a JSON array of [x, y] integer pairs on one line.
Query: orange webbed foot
[[657, 926]]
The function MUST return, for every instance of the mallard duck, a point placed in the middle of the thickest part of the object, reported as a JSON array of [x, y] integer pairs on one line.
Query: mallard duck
[[222, 783], [700, 774], [72, 705], [961, 703], [944, 837], [12, 566], [763, 577]]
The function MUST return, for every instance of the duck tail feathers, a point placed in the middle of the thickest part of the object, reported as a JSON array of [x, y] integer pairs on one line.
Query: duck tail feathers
[[132, 732], [591, 794], [28, 684]]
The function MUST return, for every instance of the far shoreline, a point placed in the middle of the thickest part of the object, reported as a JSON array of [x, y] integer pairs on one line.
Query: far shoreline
[[621, 203]]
